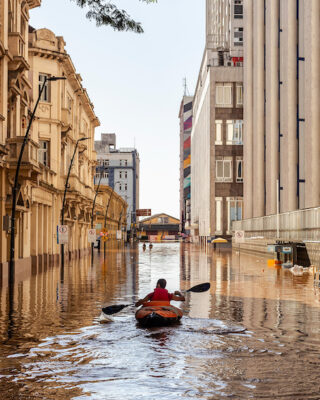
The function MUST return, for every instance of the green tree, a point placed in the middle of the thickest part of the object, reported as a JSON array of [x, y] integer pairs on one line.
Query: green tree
[[105, 13]]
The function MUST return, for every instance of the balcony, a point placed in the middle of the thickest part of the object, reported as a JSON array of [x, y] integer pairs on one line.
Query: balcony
[[29, 162], [17, 50]]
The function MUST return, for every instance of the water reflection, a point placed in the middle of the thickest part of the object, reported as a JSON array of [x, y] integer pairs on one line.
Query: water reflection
[[53, 346]]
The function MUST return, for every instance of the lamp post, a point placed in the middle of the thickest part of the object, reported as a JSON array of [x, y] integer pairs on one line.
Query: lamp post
[[15, 185], [106, 216], [93, 207], [65, 192]]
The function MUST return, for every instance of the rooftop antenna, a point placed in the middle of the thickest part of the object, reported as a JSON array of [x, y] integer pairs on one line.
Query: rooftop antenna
[[185, 87]]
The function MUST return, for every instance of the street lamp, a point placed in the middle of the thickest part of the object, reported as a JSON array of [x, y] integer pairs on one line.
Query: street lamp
[[15, 185], [93, 207], [65, 192]]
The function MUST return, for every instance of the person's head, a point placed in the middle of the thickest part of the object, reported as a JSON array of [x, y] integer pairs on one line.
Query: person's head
[[161, 283]]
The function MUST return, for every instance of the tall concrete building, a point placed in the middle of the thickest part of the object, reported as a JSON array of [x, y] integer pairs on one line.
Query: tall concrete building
[[217, 132], [185, 117], [120, 169], [281, 106]]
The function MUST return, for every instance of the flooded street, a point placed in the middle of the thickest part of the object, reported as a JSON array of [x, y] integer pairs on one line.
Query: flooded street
[[53, 345]]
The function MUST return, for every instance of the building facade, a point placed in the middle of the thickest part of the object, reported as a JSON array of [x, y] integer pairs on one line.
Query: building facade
[[15, 103], [120, 169], [64, 115], [281, 106], [185, 117], [217, 132], [159, 227]]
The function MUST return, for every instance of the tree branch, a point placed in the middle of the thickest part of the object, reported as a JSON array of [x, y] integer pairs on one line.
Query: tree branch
[[109, 14]]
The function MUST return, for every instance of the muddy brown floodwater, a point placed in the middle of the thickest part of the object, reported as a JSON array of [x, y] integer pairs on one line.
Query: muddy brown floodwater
[[52, 345]]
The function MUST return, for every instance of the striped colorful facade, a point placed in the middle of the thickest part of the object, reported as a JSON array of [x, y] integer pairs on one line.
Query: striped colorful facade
[[185, 116]]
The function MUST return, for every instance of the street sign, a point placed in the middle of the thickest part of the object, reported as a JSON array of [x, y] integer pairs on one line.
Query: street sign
[[63, 234], [143, 212], [92, 235], [239, 236], [271, 248], [104, 235]]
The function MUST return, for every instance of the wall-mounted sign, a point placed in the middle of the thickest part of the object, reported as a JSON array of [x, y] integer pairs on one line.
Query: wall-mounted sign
[[239, 236], [143, 212], [287, 250]]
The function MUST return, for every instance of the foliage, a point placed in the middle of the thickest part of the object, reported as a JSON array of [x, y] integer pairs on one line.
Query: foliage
[[106, 13]]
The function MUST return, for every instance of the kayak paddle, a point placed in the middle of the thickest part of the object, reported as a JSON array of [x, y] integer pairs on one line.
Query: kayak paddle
[[202, 287]]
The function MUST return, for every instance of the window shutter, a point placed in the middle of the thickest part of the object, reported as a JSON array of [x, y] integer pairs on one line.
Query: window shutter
[[227, 95], [227, 170], [219, 169], [218, 132], [229, 132], [219, 95]]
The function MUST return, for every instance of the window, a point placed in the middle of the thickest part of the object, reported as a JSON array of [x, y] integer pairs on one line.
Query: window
[[239, 177], [224, 94], [237, 132], [105, 175], [238, 9], [105, 163], [238, 37], [121, 162], [44, 152], [234, 132], [125, 162], [224, 169], [218, 132], [120, 188], [45, 95], [239, 95], [234, 210], [219, 215], [126, 174], [97, 175], [120, 174], [125, 187], [163, 220]]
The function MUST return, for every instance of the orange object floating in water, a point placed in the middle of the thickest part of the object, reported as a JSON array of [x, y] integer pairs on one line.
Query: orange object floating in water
[[158, 313]]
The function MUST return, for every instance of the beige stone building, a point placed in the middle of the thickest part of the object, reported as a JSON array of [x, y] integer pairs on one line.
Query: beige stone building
[[281, 106], [15, 103], [64, 115]]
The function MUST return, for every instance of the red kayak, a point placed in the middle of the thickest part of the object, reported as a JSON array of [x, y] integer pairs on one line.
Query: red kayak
[[158, 313]]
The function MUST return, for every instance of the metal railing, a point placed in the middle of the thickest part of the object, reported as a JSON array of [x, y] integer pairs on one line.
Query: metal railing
[[300, 225]]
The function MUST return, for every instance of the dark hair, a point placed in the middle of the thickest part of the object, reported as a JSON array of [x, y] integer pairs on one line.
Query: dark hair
[[162, 283]]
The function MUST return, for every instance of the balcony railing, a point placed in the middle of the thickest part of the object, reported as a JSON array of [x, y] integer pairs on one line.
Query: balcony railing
[[30, 154], [300, 225]]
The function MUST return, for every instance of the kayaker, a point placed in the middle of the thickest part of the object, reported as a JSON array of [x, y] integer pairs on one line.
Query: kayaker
[[160, 293]]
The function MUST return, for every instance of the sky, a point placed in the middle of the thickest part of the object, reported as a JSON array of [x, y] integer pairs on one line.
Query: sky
[[136, 81]]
